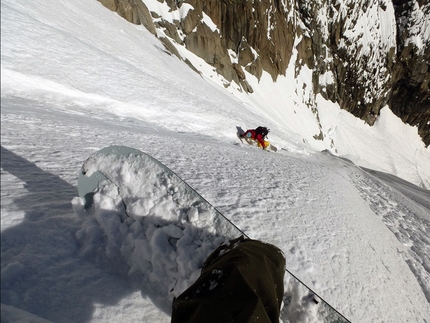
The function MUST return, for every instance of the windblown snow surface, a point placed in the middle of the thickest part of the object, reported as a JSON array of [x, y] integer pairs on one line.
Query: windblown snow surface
[[76, 78]]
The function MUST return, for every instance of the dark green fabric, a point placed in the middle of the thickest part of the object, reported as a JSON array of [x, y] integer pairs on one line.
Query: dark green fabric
[[240, 282]]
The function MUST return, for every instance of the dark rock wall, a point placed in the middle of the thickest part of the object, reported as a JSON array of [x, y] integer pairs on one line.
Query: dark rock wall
[[410, 99]]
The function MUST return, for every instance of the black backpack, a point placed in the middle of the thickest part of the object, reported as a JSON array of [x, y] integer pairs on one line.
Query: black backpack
[[263, 131], [241, 281]]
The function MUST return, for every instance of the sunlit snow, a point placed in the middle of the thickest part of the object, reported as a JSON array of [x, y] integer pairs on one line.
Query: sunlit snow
[[76, 78]]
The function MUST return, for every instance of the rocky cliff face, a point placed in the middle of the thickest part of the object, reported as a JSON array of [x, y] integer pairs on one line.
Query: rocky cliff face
[[364, 54], [410, 96]]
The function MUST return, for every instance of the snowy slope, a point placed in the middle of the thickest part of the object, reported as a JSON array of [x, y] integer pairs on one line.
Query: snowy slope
[[369, 37], [74, 83]]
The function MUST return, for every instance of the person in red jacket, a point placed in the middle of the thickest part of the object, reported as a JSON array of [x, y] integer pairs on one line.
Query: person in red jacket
[[257, 134]]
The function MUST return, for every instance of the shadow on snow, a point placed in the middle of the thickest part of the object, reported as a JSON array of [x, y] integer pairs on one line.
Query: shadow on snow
[[44, 271]]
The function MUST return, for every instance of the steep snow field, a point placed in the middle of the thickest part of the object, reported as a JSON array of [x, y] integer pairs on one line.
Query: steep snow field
[[77, 77]]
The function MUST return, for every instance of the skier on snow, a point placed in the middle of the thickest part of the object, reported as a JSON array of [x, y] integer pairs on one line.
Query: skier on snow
[[257, 134]]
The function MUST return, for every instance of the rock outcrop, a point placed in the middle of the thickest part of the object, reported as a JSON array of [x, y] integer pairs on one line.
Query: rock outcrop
[[364, 54], [134, 11], [410, 97]]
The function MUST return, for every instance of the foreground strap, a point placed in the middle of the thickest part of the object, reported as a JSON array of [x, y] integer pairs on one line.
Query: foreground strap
[[240, 282]]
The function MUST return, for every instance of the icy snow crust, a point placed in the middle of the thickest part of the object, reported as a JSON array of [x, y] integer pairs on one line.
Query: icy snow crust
[[74, 83]]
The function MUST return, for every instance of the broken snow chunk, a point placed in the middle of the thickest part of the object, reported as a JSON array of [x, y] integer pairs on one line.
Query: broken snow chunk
[[141, 207], [136, 228], [78, 204], [193, 214], [173, 231]]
